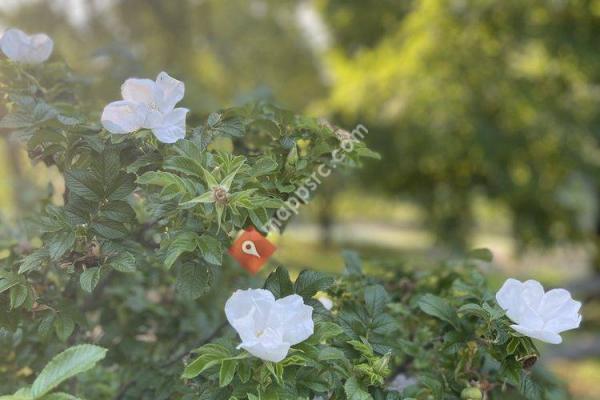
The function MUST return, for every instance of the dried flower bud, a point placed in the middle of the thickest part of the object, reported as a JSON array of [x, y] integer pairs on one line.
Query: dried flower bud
[[220, 194]]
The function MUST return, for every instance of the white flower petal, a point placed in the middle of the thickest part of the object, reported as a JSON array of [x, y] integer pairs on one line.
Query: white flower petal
[[528, 317], [142, 91], [20, 47], [508, 295], [543, 335], [122, 117], [557, 302], [269, 347], [154, 118], [172, 127], [41, 48], [293, 318], [533, 293], [172, 91], [254, 302]]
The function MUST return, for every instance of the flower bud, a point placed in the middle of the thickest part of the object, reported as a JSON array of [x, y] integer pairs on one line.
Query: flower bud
[[471, 393]]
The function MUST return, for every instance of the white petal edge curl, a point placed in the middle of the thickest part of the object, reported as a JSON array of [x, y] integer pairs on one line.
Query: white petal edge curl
[[141, 91], [122, 117], [171, 92], [294, 318], [544, 336], [172, 127]]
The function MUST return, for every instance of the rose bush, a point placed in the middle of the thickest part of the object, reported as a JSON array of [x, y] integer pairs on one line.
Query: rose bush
[[120, 291]]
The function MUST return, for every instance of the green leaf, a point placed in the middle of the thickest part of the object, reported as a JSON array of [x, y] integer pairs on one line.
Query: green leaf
[[60, 396], [209, 355], [327, 330], [63, 326], [109, 229], [375, 299], [530, 389], [65, 365], [279, 283], [439, 308], [228, 180], [227, 372], [473, 309], [219, 124], [481, 254], [184, 242], [193, 280], [34, 261], [328, 353], [263, 166], [8, 279], [211, 249], [16, 120], [119, 211], [18, 295], [354, 391], [59, 243], [89, 279], [83, 184], [206, 197], [353, 263], [311, 282], [124, 262]]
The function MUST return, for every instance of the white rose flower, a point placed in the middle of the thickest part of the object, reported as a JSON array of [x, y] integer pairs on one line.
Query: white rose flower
[[151, 105], [537, 314], [269, 327], [28, 49]]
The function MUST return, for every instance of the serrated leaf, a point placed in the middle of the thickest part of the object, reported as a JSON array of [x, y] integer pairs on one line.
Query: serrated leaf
[[439, 308], [119, 211], [8, 279], [375, 299], [124, 262], [184, 242], [227, 372], [209, 355], [211, 249], [63, 326], [89, 279], [34, 261], [193, 280], [263, 166], [279, 283], [59, 243], [83, 184], [354, 391], [109, 229], [18, 295], [311, 282], [65, 365]]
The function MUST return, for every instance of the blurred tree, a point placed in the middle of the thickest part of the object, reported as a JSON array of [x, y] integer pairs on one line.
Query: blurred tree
[[226, 51], [477, 98]]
